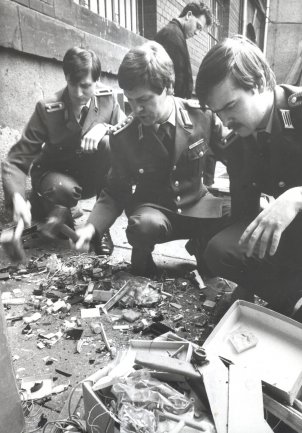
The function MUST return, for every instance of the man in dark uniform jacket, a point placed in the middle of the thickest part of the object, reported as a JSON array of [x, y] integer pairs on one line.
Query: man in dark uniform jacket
[[194, 18], [262, 249], [156, 162], [64, 146]]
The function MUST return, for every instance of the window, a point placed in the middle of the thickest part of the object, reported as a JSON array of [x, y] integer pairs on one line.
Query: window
[[123, 12], [215, 32]]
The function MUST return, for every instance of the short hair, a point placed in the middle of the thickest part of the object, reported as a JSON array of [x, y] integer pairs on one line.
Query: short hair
[[238, 58], [77, 63], [198, 9], [147, 65]]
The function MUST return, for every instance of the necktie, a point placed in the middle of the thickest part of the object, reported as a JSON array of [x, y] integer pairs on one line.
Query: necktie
[[84, 113], [165, 134]]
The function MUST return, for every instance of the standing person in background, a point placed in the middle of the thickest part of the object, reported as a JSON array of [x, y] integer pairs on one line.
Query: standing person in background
[[262, 250], [64, 146], [194, 18]]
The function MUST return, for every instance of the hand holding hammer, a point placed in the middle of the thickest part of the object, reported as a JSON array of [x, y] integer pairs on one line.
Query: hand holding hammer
[[11, 242]]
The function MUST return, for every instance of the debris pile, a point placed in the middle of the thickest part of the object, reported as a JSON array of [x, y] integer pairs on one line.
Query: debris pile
[[73, 314]]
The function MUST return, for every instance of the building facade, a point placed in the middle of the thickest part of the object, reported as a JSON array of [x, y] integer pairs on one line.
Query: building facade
[[35, 34]]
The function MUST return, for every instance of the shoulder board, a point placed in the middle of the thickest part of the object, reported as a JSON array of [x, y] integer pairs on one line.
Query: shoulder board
[[116, 129], [192, 103], [286, 119], [103, 92], [54, 106], [186, 118], [228, 139], [295, 100]]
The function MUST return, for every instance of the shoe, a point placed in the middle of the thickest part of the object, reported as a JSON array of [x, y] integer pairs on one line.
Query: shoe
[[142, 264], [103, 245]]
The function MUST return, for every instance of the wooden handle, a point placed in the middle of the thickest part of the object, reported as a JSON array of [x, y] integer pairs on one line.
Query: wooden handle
[[19, 229], [67, 231]]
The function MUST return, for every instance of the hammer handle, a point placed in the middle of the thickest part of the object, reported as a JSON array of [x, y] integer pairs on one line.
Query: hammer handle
[[67, 231]]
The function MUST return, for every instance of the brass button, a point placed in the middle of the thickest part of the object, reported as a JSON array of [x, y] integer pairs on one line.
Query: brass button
[[201, 154], [174, 167], [179, 211], [178, 198], [254, 184], [176, 183], [281, 184], [294, 99], [141, 171]]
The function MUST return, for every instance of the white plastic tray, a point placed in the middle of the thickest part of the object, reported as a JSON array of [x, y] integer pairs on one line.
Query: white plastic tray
[[277, 357]]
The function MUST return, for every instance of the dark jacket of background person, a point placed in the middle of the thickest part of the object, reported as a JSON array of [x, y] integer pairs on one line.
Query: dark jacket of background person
[[172, 38]]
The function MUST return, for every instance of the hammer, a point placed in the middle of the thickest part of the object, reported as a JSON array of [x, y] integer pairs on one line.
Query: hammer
[[11, 242], [56, 224]]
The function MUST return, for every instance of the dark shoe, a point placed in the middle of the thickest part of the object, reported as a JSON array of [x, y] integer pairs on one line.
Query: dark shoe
[[142, 264], [103, 245]]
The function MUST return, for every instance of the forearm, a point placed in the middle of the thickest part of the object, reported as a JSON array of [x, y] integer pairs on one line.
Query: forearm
[[13, 180]]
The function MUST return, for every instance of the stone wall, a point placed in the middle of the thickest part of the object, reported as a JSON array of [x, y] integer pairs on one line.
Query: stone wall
[[34, 36]]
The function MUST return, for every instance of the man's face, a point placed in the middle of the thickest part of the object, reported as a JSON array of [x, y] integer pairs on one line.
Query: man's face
[[148, 106], [82, 91], [239, 109], [194, 25]]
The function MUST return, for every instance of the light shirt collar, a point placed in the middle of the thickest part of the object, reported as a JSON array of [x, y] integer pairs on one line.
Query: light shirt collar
[[171, 119]]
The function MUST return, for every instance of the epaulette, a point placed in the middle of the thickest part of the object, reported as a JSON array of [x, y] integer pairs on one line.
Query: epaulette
[[186, 118], [54, 106], [286, 119], [228, 139], [116, 129], [295, 100], [103, 91], [193, 103]]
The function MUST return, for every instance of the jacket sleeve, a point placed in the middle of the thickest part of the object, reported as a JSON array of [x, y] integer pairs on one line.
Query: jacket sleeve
[[174, 47], [16, 166], [115, 196]]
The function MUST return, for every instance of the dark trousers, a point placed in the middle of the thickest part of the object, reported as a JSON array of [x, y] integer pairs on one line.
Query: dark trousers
[[148, 226], [276, 279], [67, 186]]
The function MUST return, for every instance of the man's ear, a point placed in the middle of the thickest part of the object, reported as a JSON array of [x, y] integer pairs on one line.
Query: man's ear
[[189, 14], [170, 90], [261, 86]]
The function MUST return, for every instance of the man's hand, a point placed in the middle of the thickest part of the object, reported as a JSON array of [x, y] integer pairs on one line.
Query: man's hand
[[85, 235], [263, 235], [21, 209], [90, 141]]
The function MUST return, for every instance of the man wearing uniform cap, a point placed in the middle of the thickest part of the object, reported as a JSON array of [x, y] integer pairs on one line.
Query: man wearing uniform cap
[[262, 249], [156, 162], [64, 146]]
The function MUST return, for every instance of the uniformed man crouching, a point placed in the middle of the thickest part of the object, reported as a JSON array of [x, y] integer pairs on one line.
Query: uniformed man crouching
[[156, 162], [262, 250], [64, 145]]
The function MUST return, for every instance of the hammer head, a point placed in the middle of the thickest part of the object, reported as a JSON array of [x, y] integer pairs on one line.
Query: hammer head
[[12, 246], [58, 216]]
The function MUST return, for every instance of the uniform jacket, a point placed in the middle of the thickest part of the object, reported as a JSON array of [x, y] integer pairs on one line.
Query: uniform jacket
[[271, 168], [172, 38], [52, 138], [141, 162]]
